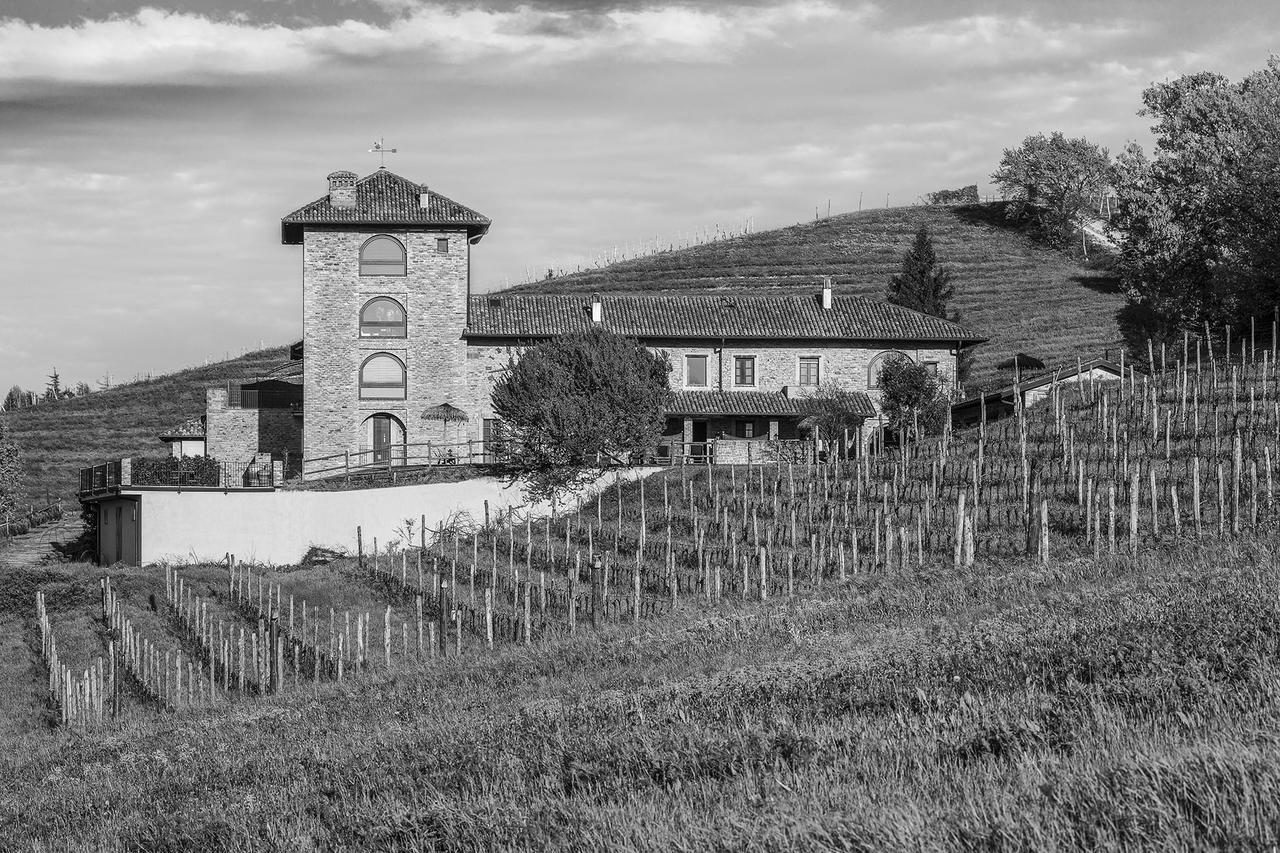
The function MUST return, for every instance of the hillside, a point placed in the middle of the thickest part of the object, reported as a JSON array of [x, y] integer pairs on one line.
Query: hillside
[[60, 438], [1023, 296]]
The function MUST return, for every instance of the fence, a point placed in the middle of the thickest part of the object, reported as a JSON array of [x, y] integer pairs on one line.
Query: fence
[[197, 472], [32, 519]]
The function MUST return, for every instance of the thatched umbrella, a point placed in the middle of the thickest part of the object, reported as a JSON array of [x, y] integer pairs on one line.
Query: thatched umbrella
[[444, 412]]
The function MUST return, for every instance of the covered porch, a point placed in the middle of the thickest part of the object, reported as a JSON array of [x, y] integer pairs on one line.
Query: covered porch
[[744, 427]]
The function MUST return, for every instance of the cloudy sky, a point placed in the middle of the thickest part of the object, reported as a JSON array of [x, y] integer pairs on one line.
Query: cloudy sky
[[148, 151]]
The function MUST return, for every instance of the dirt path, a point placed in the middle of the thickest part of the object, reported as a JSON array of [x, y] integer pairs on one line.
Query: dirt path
[[32, 549]]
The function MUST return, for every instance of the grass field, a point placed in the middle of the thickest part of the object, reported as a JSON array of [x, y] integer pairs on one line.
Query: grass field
[[1110, 704], [1023, 296], [1083, 698], [58, 439]]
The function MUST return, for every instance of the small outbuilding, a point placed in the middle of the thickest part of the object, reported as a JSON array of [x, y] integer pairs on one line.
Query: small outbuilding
[[187, 438], [1002, 402]]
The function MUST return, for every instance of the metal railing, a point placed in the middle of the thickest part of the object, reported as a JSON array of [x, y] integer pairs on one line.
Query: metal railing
[[400, 456], [100, 477], [240, 397]]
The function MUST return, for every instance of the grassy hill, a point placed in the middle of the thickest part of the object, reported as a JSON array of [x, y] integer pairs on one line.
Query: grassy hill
[[60, 438], [1023, 296]]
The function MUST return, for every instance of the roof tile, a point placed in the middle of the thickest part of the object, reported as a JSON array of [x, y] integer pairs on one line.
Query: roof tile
[[385, 198], [758, 403], [670, 316]]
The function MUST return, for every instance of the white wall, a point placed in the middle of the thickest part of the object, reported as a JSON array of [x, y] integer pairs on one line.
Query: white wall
[[278, 527], [1034, 395]]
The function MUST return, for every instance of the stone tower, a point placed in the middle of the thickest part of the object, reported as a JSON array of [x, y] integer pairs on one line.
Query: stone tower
[[386, 282]]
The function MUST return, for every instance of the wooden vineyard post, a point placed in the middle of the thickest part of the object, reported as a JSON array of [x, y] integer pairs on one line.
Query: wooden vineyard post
[[597, 605], [442, 617], [417, 604], [1195, 492], [573, 591], [1222, 501], [1111, 518], [386, 637], [1173, 507], [359, 547], [635, 593], [1134, 491], [1044, 532], [764, 575], [488, 617], [528, 613], [960, 518]]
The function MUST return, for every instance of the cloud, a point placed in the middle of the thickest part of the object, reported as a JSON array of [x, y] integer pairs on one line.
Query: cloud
[[153, 46]]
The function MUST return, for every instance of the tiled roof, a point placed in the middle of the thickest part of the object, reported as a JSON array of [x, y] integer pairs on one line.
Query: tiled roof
[[757, 403], [190, 428], [708, 316], [384, 198]]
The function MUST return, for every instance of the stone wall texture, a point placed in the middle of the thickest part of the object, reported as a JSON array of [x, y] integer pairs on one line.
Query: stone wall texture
[[433, 294]]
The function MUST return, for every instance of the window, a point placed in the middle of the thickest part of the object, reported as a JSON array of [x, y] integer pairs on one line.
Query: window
[[931, 368], [382, 255], [744, 429], [877, 363], [744, 370], [695, 371], [382, 377], [383, 318], [442, 245], [810, 370]]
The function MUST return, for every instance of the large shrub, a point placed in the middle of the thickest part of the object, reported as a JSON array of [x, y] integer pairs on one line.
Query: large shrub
[[577, 398]]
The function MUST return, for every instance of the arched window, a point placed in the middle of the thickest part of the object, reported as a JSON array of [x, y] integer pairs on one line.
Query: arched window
[[382, 377], [382, 255], [873, 369], [383, 318]]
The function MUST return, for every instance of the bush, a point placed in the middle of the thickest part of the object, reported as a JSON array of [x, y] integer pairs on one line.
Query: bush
[[170, 471]]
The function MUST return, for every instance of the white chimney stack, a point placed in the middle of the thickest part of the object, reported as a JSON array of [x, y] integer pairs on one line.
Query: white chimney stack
[[424, 197], [342, 189], [826, 293], [597, 310]]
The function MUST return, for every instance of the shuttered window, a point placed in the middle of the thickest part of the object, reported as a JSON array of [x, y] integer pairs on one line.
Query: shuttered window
[[810, 370], [382, 255], [383, 318], [695, 371], [382, 377], [744, 370]]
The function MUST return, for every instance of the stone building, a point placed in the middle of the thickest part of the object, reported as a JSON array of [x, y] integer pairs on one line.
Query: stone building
[[397, 351]]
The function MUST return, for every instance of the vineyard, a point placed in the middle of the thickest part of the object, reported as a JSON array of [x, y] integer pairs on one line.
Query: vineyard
[[1092, 577]]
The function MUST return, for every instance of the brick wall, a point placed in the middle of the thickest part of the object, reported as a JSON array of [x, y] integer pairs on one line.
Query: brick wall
[[236, 436], [433, 294]]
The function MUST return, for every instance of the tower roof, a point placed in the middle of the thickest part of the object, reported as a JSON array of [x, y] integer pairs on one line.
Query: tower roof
[[385, 198]]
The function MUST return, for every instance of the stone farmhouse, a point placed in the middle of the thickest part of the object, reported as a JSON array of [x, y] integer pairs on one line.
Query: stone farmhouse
[[398, 357]]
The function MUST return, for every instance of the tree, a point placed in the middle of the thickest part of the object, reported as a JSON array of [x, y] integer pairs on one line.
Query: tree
[[13, 400], [53, 390], [832, 410], [576, 398], [82, 389], [10, 470], [922, 285], [1199, 221], [1051, 181], [914, 403]]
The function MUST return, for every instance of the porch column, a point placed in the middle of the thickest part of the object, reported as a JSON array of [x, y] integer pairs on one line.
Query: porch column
[[687, 438]]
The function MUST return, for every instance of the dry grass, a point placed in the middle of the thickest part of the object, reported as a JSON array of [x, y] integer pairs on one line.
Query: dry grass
[[1107, 705], [60, 438]]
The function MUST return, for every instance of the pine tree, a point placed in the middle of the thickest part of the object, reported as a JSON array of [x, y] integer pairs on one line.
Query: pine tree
[[922, 285], [53, 390]]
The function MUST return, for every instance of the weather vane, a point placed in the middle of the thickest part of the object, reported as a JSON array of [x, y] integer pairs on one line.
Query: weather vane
[[380, 148]]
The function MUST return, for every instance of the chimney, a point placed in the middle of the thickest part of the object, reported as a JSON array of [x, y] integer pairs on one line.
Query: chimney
[[424, 197], [597, 310], [826, 293], [342, 189]]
